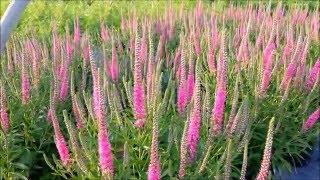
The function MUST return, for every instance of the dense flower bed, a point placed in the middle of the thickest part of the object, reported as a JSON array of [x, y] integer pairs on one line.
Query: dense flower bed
[[188, 94]]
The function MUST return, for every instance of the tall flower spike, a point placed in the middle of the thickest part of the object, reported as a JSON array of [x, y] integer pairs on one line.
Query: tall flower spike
[[292, 67], [183, 152], [154, 165], [25, 83], [74, 142], [104, 147], [312, 76], [266, 160], [138, 89], [312, 119], [4, 118], [195, 118], [220, 93], [59, 140], [182, 89], [266, 68]]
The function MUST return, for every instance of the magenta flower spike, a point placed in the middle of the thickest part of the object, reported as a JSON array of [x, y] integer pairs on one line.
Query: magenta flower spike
[[313, 75], [105, 154], [289, 74], [59, 140], [4, 117], [154, 171], [104, 147], [195, 120], [292, 67], [220, 94], [25, 83], [182, 88], [138, 89], [62, 148], [312, 119], [266, 68]]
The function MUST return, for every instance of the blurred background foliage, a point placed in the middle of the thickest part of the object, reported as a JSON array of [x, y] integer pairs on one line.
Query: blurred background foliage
[[40, 14]]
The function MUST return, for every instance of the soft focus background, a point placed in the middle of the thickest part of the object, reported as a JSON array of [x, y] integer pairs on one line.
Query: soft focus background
[[39, 14]]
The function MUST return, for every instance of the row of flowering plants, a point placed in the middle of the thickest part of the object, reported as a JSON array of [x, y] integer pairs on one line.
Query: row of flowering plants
[[187, 94]]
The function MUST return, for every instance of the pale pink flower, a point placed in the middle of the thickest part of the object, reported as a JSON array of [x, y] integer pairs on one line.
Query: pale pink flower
[[313, 75], [266, 68], [25, 83], [312, 119], [266, 160], [104, 33], [289, 74], [4, 118]]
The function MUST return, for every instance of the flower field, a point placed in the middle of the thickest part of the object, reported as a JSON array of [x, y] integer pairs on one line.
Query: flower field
[[194, 90]]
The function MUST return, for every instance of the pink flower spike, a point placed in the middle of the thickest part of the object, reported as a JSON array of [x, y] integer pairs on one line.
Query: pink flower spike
[[59, 140], [312, 119], [138, 89], [195, 120], [105, 154], [289, 74], [220, 94], [25, 83], [218, 110], [4, 118], [154, 171], [62, 148], [313, 75]]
